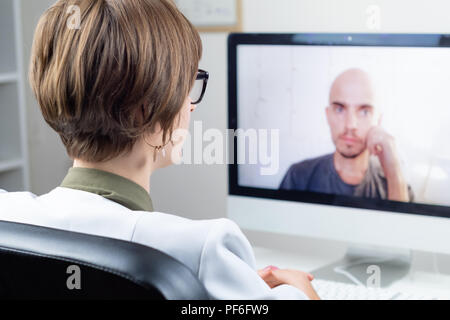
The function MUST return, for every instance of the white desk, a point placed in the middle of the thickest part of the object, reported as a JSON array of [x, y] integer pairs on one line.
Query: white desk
[[418, 281]]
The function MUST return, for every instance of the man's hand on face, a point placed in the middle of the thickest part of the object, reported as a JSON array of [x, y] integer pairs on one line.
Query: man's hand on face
[[382, 144]]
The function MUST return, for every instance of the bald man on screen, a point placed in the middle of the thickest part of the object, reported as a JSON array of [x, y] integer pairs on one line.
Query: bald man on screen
[[353, 169]]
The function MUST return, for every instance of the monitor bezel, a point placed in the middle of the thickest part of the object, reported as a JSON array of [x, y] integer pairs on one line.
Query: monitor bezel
[[322, 39]]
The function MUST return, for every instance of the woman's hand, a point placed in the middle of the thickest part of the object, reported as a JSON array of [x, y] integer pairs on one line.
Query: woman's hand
[[299, 279]]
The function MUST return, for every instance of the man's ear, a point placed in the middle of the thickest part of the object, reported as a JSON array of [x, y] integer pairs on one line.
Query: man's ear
[[380, 119], [327, 111]]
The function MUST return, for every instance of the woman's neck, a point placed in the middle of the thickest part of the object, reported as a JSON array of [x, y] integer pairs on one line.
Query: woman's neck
[[135, 166]]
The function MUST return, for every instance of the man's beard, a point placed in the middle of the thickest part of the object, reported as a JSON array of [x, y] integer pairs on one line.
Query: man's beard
[[347, 153], [350, 156]]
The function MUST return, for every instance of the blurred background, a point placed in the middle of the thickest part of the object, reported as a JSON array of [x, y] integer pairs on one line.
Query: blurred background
[[33, 158]]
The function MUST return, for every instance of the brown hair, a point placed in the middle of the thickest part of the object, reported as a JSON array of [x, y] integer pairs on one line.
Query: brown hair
[[129, 66]]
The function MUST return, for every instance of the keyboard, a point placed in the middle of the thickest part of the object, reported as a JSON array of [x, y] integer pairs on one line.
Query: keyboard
[[331, 290]]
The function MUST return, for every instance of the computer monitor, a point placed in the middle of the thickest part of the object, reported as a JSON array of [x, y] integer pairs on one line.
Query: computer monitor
[[342, 136]]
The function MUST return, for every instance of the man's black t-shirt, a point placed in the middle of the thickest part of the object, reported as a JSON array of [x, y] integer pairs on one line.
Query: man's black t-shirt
[[319, 175]]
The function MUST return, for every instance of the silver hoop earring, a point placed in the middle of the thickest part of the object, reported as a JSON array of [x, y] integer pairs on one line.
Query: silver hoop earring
[[158, 149]]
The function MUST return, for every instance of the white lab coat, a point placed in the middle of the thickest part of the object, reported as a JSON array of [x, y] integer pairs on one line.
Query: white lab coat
[[215, 250]]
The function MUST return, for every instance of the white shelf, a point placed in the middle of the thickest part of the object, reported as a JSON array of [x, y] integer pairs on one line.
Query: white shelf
[[14, 167], [9, 165], [8, 37], [8, 78]]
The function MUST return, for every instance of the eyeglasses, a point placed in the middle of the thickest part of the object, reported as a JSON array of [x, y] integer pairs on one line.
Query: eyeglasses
[[199, 88]]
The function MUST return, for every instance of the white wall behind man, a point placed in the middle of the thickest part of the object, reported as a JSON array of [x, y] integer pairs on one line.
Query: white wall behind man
[[197, 191]]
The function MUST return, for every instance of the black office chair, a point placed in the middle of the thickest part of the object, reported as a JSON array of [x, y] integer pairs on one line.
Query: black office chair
[[44, 263]]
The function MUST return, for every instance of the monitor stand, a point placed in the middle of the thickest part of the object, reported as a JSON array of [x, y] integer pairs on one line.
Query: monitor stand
[[370, 267]]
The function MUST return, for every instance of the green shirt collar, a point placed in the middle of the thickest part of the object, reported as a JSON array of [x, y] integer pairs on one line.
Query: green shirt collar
[[110, 186]]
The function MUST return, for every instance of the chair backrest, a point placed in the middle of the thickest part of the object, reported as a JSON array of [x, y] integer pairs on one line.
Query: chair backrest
[[44, 263]]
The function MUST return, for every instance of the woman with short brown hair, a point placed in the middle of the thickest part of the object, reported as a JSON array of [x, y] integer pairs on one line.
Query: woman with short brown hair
[[116, 88]]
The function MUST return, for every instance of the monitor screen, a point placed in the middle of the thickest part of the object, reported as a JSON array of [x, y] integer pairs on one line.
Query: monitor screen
[[359, 120]]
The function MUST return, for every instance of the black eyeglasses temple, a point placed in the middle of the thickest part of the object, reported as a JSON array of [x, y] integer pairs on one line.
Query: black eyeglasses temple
[[202, 74]]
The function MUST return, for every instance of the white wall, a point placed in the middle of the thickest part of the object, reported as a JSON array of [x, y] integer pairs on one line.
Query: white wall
[[200, 191], [411, 16], [48, 161]]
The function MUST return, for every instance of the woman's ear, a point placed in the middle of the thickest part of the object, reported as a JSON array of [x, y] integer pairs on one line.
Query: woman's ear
[[139, 116]]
